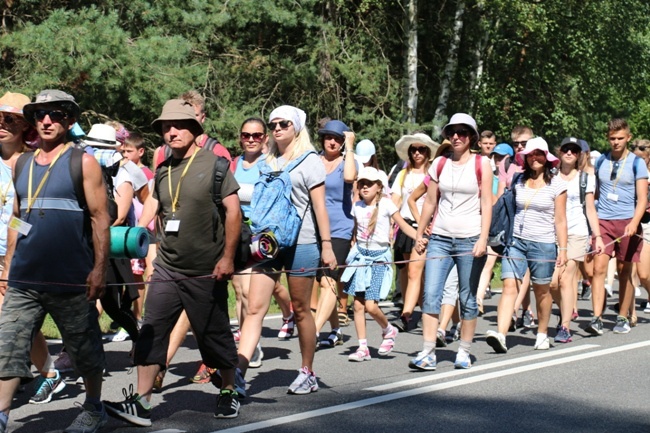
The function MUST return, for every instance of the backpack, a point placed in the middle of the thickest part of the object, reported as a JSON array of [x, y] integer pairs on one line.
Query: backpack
[[271, 206], [503, 218], [243, 253], [166, 151], [583, 194], [599, 163]]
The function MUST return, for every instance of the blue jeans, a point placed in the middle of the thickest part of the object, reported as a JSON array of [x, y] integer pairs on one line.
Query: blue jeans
[[436, 272], [524, 254]]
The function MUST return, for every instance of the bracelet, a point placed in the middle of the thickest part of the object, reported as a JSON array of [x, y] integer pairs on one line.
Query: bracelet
[[598, 236], [562, 249]]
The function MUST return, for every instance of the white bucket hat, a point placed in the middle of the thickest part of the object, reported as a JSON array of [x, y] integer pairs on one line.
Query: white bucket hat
[[101, 135]]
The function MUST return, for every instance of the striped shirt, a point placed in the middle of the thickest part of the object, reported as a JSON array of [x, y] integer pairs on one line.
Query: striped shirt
[[535, 216]]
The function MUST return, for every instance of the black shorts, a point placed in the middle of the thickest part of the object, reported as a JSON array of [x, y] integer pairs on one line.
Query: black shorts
[[341, 248], [206, 302], [403, 243]]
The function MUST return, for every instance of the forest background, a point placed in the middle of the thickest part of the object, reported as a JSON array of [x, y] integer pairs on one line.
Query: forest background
[[385, 67]]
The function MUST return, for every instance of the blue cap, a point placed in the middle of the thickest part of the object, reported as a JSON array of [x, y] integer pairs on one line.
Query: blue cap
[[584, 145], [503, 149], [334, 127]]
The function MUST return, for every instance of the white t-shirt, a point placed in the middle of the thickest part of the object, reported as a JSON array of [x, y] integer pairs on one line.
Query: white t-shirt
[[575, 217], [535, 215], [362, 213], [404, 185], [459, 208]]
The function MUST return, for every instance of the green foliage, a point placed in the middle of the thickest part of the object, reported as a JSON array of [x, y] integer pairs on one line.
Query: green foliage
[[563, 67]]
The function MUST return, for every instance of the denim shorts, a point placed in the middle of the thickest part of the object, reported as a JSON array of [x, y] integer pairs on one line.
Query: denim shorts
[[524, 254], [438, 267], [298, 261]]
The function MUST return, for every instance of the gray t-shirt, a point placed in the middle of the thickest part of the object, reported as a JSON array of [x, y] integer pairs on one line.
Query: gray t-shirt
[[307, 175]]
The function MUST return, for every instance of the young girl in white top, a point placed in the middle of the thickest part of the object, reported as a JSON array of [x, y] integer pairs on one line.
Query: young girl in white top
[[366, 278]]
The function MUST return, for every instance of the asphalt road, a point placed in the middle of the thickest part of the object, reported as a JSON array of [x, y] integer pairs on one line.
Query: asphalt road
[[593, 384]]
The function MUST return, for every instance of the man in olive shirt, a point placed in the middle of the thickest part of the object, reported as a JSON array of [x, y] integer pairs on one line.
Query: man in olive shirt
[[186, 214]]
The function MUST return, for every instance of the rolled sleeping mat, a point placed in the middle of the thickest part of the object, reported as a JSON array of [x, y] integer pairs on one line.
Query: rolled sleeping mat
[[264, 246], [129, 242]]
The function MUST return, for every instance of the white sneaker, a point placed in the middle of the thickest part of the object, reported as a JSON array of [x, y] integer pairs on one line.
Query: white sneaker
[[542, 343], [637, 292], [609, 291], [121, 335], [256, 359]]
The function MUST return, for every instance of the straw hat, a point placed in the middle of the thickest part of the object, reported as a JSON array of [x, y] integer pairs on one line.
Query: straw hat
[[403, 144]]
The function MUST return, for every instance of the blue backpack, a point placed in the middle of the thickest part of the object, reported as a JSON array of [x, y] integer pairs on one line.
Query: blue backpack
[[503, 218], [271, 207]]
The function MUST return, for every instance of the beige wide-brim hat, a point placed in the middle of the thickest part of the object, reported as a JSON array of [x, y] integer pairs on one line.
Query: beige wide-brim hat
[[13, 103], [403, 144], [175, 109]]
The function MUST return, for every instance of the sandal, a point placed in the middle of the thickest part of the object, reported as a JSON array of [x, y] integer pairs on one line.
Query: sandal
[[344, 319], [481, 311], [335, 338]]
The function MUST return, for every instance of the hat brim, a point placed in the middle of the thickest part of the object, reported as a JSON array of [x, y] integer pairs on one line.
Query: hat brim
[[157, 124], [322, 132], [362, 159], [403, 144], [103, 143], [70, 107], [549, 157]]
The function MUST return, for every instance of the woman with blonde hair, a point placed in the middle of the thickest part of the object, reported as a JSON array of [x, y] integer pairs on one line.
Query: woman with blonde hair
[[290, 142]]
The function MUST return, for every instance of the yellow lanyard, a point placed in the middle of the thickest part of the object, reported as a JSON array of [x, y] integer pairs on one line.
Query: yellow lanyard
[[620, 171], [178, 188], [32, 198], [527, 203]]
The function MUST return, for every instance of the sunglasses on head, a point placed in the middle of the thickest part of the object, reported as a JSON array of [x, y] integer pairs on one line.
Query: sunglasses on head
[[641, 148], [461, 132], [284, 124], [8, 119], [519, 143], [54, 115], [257, 136], [421, 150]]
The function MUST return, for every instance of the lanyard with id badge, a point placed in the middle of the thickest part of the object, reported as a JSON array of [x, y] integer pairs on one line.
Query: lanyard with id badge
[[20, 224], [615, 175], [173, 225]]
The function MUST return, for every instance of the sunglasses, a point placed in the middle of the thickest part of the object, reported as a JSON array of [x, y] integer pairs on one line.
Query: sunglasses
[[8, 119], [257, 136], [54, 115], [641, 148], [519, 143], [364, 182], [284, 124], [571, 149], [614, 174], [421, 150], [461, 132]]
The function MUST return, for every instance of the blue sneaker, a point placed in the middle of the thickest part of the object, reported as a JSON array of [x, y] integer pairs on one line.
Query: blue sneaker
[[424, 361], [462, 360]]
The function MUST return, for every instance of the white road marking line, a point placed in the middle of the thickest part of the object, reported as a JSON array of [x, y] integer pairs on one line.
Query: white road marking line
[[440, 376], [427, 389]]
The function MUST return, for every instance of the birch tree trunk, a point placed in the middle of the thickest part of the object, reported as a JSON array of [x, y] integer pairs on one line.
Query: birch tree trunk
[[450, 69], [480, 54], [412, 63]]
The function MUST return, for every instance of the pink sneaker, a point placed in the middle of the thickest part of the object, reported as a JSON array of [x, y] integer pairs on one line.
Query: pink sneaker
[[236, 335], [362, 354], [389, 341], [287, 329]]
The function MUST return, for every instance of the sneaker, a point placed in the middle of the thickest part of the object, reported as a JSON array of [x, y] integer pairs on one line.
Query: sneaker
[[203, 374], [488, 294], [236, 335], [496, 341], [305, 383], [423, 361], [440, 338], [595, 326], [46, 387], [542, 343], [256, 359], [529, 319], [586, 291], [227, 404], [335, 338], [453, 334], [646, 309], [515, 323], [609, 290], [130, 410], [637, 291], [89, 420], [388, 341], [287, 329], [362, 354], [121, 335], [563, 335], [63, 363], [622, 325], [462, 360]]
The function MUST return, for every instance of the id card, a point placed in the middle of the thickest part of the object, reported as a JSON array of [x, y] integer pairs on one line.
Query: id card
[[613, 197], [172, 226], [19, 225]]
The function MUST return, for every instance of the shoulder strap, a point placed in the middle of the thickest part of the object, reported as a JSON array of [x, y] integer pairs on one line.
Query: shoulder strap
[[210, 143], [440, 166], [296, 162], [221, 166], [478, 168], [20, 163], [583, 187], [76, 172], [600, 161]]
